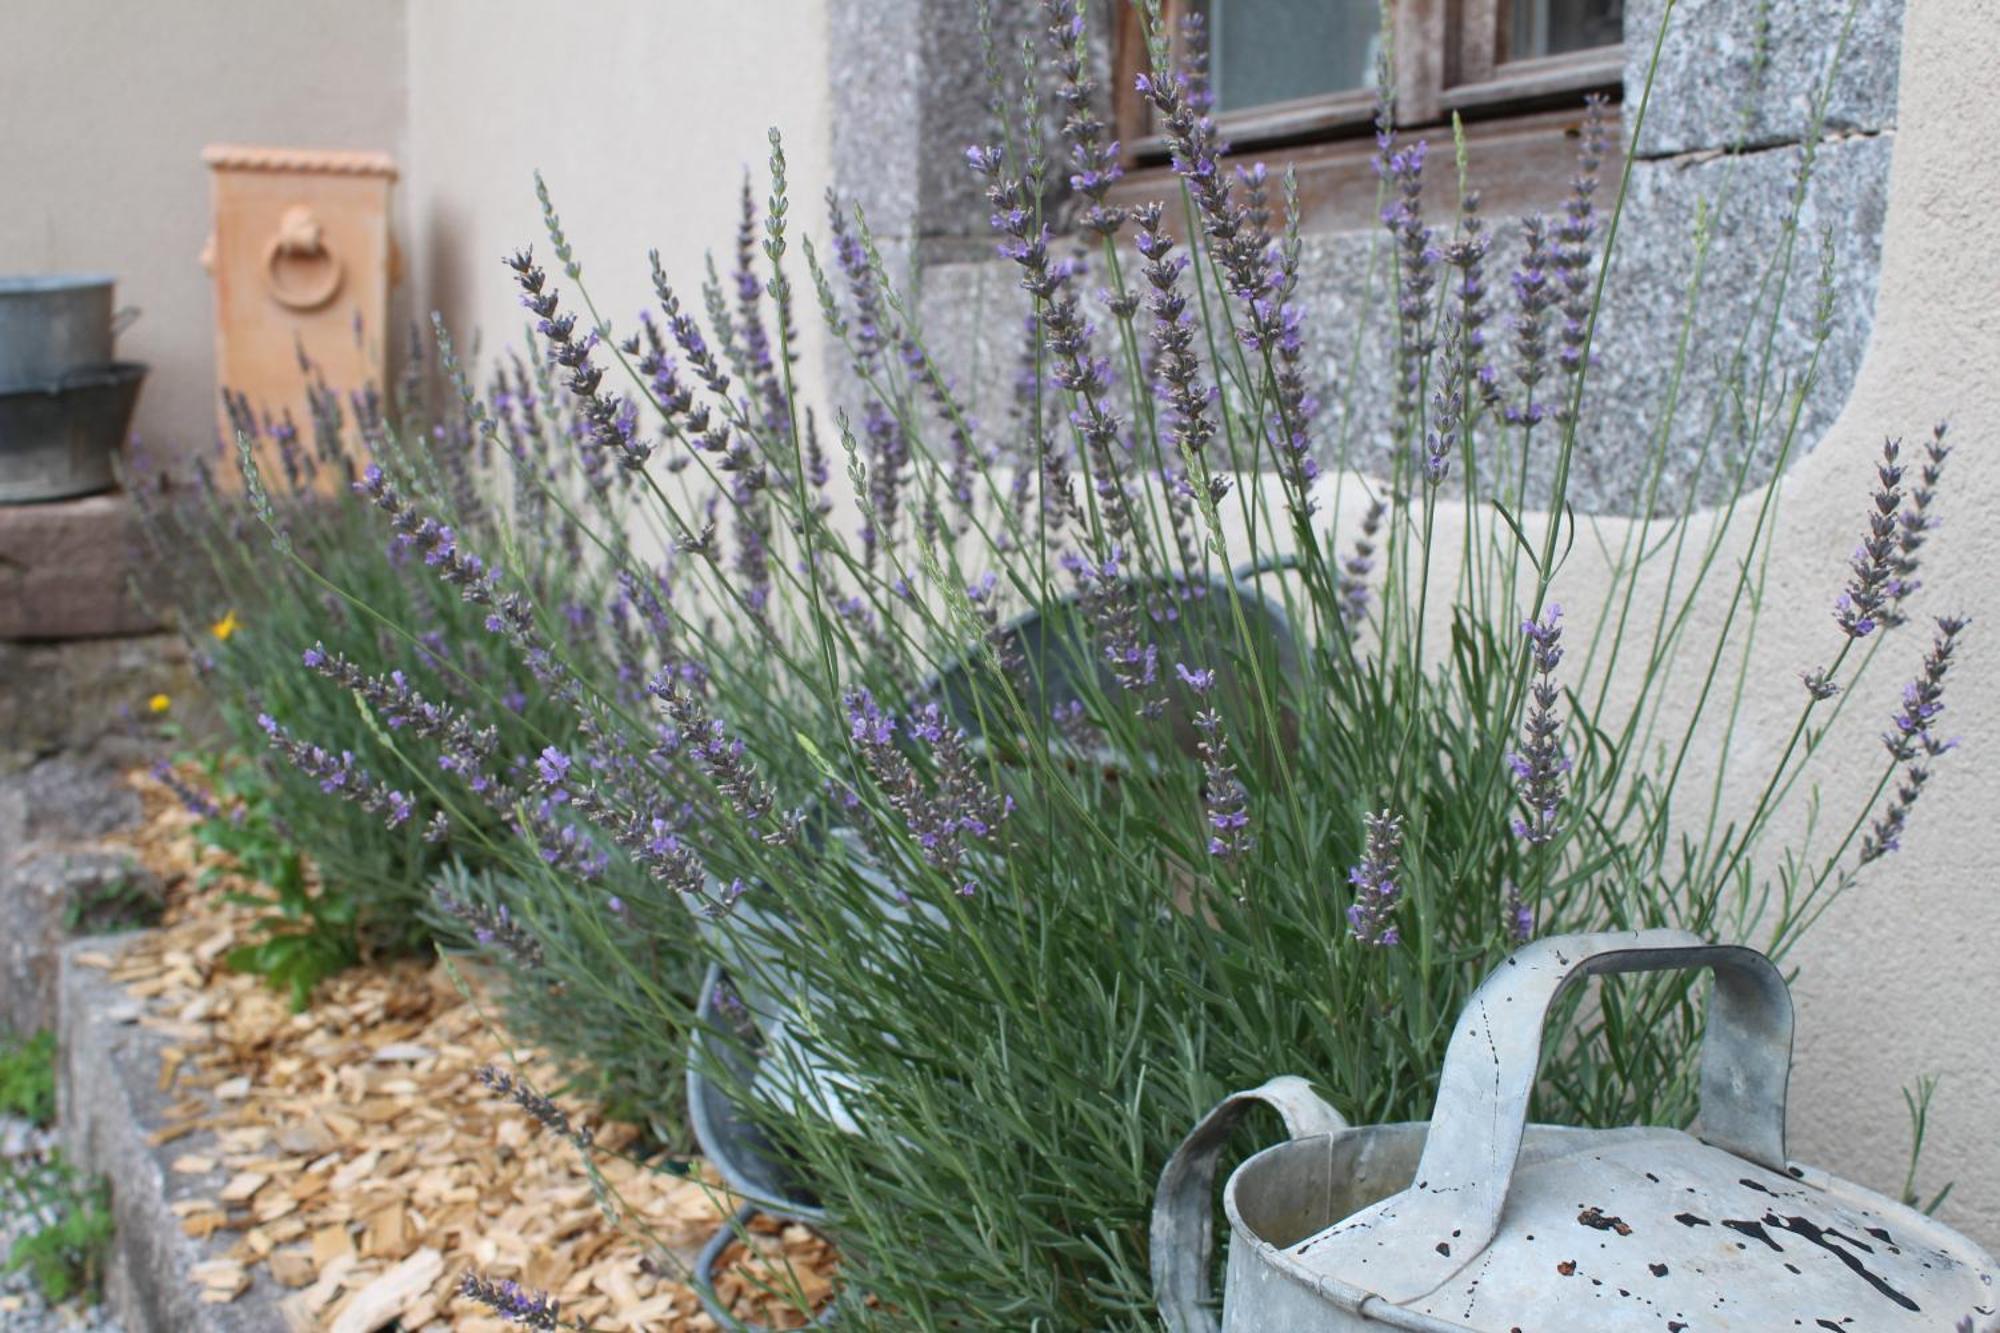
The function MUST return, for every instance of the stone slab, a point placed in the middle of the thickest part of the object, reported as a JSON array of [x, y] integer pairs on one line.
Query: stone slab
[[89, 698], [1750, 69], [972, 314], [64, 567], [108, 1092]]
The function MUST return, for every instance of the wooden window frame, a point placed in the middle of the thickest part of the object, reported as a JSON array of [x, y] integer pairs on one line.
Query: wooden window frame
[[1518, 115]]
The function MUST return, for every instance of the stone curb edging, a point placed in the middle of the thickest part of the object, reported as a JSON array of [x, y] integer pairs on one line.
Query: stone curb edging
[[108, 1092]]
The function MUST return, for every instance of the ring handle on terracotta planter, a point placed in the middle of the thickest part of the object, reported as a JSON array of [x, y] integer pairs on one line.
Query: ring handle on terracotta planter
[[1183, 1234], [300, 236], [1494, 1057]]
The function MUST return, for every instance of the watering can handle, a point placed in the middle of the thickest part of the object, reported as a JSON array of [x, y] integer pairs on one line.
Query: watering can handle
[[1494, 1057], [1183, 1241]]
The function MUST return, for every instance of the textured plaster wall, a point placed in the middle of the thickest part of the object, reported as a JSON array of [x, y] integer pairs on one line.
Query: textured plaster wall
[[1729, 73], [104, 110], [1901, 978], [641, 114], [1898, 979]]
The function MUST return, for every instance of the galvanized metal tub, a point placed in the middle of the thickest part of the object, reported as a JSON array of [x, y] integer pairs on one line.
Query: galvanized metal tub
[[781, 1069], [59, 441], [784, 1072], [55, 324], [1478, 1220]]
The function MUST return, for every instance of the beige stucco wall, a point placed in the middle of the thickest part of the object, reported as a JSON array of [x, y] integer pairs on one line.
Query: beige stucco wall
[[641, 114], [1901, 978], [105, 107]]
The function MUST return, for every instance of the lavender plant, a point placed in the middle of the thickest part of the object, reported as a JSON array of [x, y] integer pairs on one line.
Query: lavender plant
[[1040, 781], [352, 670]]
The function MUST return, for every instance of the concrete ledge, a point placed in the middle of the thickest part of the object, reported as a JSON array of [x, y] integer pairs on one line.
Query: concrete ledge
[[108, 1090], [53, 817]]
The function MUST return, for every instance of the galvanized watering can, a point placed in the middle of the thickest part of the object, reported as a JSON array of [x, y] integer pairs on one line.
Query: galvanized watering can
[[1482, 1221]]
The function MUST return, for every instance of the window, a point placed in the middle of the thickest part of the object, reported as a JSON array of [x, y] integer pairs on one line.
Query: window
[[1298, 75]]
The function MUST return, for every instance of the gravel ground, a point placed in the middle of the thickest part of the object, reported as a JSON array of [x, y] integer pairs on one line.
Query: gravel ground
[[21, 1307]]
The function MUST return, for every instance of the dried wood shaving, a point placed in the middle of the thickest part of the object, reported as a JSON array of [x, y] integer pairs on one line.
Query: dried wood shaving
[[351, 1153]]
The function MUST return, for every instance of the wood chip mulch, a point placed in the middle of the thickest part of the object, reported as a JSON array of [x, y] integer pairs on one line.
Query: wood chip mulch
[[351, 1152]]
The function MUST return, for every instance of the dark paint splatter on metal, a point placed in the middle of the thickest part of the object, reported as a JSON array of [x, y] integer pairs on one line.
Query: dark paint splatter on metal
[[1825, 1239], [1754, 1231]]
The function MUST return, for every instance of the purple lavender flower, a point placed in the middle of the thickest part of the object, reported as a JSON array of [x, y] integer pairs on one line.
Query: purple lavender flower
[[1923, 699], [552, 767], [1076, 366], [338, 775], [1201, 681], [722, 757], [1468, 382], [512, 1302], [1359, 563], [1096, 164], [1263, 283], [509, 613], [1912, 741], [1540, 763], [1873, 566], [1572, 253], [1516, 915], [1224, 798], [493, 927], [1534, 297], [464, 749], [196, 802], [1416, 260], [609, 429], [545, 1112], [1371, 917], [1173, 335], [947, 818], [1914, 525]]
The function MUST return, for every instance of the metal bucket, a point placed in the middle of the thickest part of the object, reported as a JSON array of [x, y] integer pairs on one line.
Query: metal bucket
[[58, 441], [1481, 1221], [55, 325]]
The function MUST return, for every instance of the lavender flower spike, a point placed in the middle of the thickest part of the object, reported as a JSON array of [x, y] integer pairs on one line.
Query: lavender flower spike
[[1858, 611], [338, 775], [1540, 763], [957, 813], [1376, 892], [1913, 741], [1516, 915], [550, 1116], [512, 1302], [1223, 795]]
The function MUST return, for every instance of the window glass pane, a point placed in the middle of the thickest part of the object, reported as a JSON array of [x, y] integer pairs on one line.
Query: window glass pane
[[1264, 51], [1551, 27]]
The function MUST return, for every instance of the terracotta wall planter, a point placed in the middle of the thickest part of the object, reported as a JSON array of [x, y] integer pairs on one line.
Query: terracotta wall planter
[[302, 260]]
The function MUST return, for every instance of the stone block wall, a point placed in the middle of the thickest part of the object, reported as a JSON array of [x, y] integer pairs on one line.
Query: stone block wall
[[1731, 105]]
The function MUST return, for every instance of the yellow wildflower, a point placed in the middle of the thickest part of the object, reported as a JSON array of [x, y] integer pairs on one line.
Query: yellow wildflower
[[225, 627], [159, 703]]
